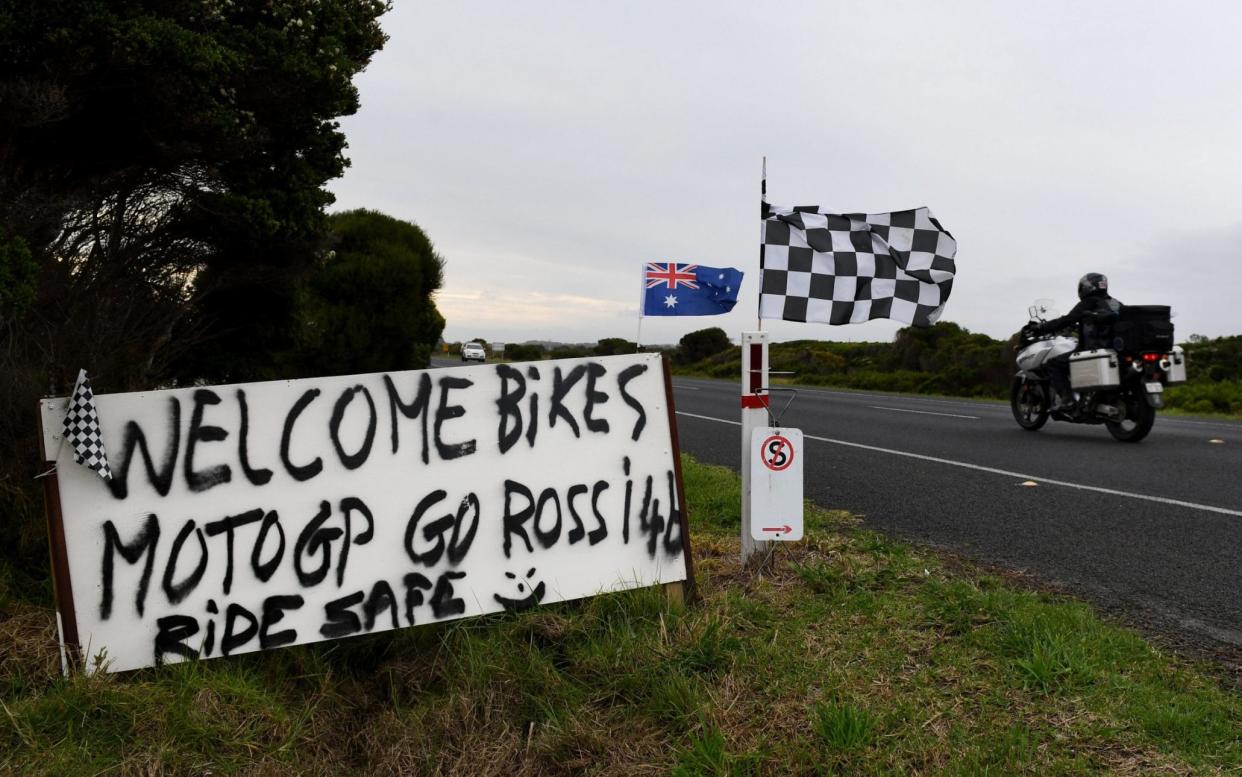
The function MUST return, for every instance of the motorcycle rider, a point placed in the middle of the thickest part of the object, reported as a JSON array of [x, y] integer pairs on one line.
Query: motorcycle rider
[[1093, 317]]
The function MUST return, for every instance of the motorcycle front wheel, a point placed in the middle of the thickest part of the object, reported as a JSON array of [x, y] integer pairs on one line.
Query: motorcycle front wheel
[[1138, 420], [1029, 402]]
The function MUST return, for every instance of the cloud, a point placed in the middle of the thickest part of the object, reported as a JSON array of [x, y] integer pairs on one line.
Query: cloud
[[528, 315], [1198, 273], [550, 149]]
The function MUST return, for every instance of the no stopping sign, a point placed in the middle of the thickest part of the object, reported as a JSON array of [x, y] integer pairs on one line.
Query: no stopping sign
[[775, 483], [777, 452]]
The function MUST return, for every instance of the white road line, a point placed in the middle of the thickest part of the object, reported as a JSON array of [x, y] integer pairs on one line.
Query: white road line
[[684, 387], [923, 412], [1005, 472], [709, 418]]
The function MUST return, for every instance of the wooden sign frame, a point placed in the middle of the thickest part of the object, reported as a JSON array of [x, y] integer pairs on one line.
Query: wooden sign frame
[[52, 410]]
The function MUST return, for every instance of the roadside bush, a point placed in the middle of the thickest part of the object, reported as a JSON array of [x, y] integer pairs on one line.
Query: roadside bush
[[571, 351], [1205, 396], [699, 345], [524, 353], [612, 346], [1217, 359]]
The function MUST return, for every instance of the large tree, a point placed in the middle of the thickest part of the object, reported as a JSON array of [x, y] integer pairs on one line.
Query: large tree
[[155, 153], [162, 186]]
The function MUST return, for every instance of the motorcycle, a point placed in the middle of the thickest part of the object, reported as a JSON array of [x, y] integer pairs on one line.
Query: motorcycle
[[1120, 387]]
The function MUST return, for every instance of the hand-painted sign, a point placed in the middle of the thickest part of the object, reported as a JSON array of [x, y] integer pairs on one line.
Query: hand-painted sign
[[253, 516], [776, 483]]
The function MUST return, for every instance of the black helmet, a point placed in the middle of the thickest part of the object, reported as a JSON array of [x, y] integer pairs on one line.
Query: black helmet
[[1092, 283]]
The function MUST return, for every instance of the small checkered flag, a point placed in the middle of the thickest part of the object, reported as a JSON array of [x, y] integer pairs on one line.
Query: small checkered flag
[[82, 429], [849, 268]]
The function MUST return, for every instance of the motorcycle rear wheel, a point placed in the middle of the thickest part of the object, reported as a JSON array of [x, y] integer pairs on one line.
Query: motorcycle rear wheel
[[1137, 422], [1029, 402]]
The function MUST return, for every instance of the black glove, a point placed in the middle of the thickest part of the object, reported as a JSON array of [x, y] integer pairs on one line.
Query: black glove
[[1031, 331]]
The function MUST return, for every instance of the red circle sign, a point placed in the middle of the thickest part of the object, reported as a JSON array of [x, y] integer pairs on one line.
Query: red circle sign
[[777, 453]]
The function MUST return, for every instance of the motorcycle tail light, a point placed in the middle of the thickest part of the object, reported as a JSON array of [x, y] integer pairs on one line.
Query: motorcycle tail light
[[1150, 357]]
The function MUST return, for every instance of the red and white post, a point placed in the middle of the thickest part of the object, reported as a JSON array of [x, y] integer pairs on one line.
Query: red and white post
[[755, 399]]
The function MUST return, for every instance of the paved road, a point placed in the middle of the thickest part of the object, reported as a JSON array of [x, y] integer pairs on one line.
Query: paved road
[[1154, 527]]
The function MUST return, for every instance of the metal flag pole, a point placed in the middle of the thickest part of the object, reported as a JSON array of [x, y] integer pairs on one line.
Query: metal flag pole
[[642, 301], [754, 402], [763, 199]]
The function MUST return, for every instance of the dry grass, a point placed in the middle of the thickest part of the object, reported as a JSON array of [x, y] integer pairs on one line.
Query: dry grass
[[29, 647]]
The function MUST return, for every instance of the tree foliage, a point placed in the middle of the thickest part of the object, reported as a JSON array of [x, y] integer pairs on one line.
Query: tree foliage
[[701, 344], [162, 189], [1214, 358], [165, 163], [612, 346], [367, 306], [523, 352], [18, 277]]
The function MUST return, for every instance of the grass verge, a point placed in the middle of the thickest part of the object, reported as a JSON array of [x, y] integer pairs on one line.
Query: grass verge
[[854, 654]]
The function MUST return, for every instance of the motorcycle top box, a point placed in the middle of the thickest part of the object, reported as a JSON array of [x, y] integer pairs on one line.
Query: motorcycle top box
[[1144, 328], [1095, 369]]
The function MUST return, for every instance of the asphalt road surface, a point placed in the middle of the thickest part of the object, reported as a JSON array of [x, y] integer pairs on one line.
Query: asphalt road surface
[[1153, 527]]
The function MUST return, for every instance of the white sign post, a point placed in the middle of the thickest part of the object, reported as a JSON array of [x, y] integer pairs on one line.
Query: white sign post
[[247, 517], [776, 507], [755, 400]]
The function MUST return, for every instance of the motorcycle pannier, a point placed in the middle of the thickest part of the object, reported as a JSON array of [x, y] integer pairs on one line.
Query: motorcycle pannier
[[1094, 369]]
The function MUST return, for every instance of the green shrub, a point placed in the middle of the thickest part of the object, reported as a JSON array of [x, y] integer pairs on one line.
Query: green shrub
[[700, 345], [524, 353], [1205, 396]]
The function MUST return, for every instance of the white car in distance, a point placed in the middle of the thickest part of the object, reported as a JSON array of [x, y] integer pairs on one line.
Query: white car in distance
[[473, 352]]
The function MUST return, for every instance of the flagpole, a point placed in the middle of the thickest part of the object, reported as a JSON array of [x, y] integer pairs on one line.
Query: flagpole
[[642, 301], [763, 197]]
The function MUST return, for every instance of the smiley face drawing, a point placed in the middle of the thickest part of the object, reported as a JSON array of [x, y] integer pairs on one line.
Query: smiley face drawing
[[534, 594]]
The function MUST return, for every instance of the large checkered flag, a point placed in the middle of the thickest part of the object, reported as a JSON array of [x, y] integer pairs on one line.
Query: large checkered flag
[[82, 429], [849, 268]]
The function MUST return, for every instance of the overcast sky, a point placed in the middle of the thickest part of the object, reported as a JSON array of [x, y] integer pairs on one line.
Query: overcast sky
[[549, 149]]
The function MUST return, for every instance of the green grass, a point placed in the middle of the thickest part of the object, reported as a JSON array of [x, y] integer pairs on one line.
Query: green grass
[[853, 654]]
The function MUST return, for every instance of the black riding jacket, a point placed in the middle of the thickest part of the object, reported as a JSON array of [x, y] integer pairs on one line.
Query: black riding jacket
[[1093, 317]]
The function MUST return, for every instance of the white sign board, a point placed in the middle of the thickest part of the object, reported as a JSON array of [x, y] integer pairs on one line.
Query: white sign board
[[259, 515], [776, 456]]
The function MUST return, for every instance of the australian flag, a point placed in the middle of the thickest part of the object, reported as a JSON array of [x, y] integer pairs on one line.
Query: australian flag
[[671, 289]]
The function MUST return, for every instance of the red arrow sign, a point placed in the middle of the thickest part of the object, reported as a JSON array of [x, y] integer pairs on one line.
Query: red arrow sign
[[778, 529]]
